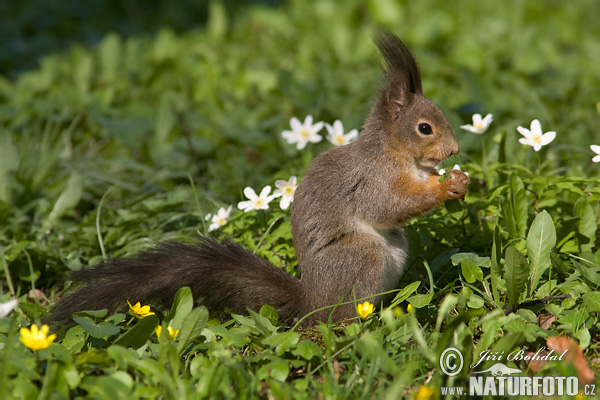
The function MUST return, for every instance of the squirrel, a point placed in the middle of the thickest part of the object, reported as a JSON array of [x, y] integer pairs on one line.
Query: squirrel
[[347, 218]]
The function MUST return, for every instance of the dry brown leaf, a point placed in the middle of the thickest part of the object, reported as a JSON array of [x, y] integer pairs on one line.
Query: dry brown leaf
[[574, 355], [545, 320]]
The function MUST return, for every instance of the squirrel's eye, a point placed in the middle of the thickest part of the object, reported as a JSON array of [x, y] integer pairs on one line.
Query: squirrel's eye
[[425, 129]]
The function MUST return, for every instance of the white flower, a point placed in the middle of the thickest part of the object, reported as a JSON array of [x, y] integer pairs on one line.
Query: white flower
[[303, 133], [596, 149], [442, 171], [534, 136], [336, 134], [255, 202], [219, 219], [286, 190], [6, 308], [479, 125]]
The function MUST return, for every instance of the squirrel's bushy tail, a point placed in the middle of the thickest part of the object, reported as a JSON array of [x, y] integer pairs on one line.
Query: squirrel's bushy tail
[[219, 274]]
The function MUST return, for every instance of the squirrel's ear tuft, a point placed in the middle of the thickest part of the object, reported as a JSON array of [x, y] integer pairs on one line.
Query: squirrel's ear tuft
[[403, 79]]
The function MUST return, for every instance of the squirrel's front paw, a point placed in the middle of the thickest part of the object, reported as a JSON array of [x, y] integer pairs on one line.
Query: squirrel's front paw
[[456, 184]]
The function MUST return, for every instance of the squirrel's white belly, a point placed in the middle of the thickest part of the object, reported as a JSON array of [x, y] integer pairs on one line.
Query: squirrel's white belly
[[395, 247]]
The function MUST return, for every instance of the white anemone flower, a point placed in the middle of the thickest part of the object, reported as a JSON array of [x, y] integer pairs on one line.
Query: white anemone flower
[[254, 202], [219, 219], [596, 149], [534, 136], [336, 135], [303, 133], [480, 125], [285, 190], [442, 171], [6, 308]]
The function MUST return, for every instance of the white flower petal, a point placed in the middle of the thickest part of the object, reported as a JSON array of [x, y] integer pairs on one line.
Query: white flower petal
[[595, 148], [249, 193], [295, 124], [487, 120], [596, 158], [264, 193], [548, 137], [476, 119], [317, 127], [308, 121], [353, 134], [525, 141], [536, 127], [285, 202], [6, 308], [245, 205], [524, 131], [469, 128], [537, 146]]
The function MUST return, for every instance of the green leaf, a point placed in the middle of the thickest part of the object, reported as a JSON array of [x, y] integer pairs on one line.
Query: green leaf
[[101, 330], [182, 306], [67, 200], [590, 274], [470, 270], [515, 207], [307, 350], [420, 300], [496, 269], [282, 341], [586, 226], [31, 310], [541, 239], [137, 336], [192, 327], [454, 207], [405, 292], [592, 301], [515, 275], [270, 314]]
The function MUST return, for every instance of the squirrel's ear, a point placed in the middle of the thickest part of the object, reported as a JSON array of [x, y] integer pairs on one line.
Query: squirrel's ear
[[403, 79]]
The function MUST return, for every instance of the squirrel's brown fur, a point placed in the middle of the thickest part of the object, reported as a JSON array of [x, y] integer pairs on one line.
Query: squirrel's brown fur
[[346, 221]]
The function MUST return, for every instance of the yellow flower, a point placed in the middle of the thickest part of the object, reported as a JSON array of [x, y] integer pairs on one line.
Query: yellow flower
[[36, 339], [171, 333], [365, 309], [139, 311], [425, 393], [410, 308]]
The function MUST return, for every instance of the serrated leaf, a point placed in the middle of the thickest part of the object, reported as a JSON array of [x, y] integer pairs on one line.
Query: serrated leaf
[[541, 239], [515, 274]]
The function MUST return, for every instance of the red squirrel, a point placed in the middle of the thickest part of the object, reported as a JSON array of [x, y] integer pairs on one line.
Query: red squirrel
[[347, 216]]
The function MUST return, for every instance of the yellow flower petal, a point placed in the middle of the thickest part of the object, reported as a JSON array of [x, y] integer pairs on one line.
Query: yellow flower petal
[[365, 309], [425, 393]]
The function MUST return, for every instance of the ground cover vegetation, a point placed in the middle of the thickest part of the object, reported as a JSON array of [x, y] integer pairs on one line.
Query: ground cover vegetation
[[109, 147]]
